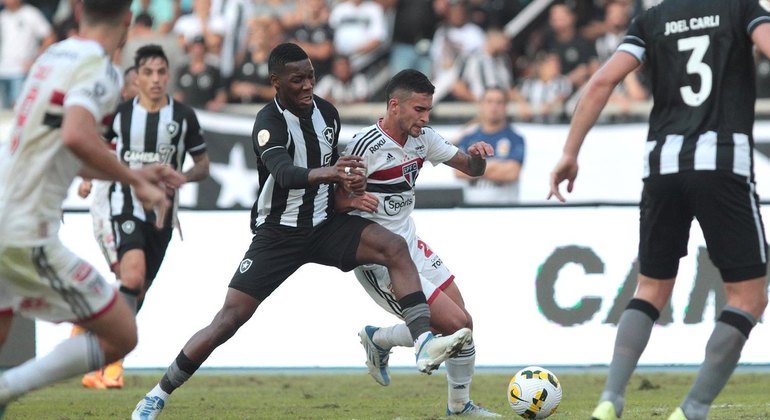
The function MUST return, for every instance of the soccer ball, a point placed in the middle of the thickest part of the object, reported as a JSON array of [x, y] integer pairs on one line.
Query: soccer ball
[[534, 392]]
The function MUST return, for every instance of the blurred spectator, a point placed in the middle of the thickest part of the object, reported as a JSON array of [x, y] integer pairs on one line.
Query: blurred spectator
[[763, 76], [314, 35], [130, 88], [251, 79], [577, 55], [46, 7], [342, 86], [493, 14], [283, 10], [201, 22], [142, 33], [500, 182], [413, 28], [163, 12], [359, 27], [454, 39], [200, 84], [616, 19], [542, 96], [24, 34], [236, 15], [487, 67]]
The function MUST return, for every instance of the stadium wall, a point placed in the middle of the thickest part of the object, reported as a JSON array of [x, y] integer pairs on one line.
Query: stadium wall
[[544, 285]]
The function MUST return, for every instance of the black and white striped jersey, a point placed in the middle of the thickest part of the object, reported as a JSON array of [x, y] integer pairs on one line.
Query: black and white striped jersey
[[143, 138], [311, 142], [699, 57]]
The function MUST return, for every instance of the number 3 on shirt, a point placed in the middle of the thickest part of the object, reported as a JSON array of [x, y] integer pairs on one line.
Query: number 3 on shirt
[[695, 65]]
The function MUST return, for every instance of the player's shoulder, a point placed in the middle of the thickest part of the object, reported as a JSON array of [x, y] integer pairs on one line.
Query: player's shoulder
[[270, 112], [325, 107], [186, 111], [367, 141]]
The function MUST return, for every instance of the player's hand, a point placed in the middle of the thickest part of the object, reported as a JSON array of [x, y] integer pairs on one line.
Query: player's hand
[[565, 170], [84, 189], [351, 173], [153, 196], [163, 175], [367, 202], [481, 150]]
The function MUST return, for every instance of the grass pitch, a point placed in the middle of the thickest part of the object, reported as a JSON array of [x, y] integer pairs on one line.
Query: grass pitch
[[355, 395]]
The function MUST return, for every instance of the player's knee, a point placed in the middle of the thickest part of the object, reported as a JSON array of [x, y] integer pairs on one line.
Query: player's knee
[[226, 324], [395, 249]]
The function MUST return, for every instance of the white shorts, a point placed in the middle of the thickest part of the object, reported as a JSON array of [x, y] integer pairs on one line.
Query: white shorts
[[51, 283], [434, 277]]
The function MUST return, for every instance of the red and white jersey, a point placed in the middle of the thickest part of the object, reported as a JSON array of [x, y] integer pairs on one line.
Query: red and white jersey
[[392, 172], [36, 170]]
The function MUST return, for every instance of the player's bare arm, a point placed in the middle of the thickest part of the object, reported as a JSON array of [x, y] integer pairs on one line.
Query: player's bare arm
[[597, 93], [348, 172], [200, 169], [761, 38], [473, 163]]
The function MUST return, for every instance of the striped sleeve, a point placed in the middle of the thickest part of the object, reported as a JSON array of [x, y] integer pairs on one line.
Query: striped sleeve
[[634, 42]]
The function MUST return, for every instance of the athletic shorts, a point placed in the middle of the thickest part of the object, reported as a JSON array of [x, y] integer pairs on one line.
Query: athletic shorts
[[727, 209], [132, 233], [434, 277], [51, 283], [277, 251]]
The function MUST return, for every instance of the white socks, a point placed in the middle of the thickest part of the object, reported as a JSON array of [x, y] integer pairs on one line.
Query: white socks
[[393, 336], [459, 371], [74, 356]]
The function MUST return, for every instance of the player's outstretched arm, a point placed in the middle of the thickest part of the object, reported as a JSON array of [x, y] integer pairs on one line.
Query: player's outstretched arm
[[345, 201], [200, 168], [597, 93]]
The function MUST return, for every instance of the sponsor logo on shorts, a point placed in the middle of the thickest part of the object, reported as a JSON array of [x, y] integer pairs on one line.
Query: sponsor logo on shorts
[[81, 272], [245, 265], [394, 203], [128, 227]]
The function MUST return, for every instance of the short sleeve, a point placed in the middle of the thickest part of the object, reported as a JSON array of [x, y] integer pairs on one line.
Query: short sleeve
[[756, 12], [635, 41], [438, 149], [96, 87], [193, 140], [269, 134]]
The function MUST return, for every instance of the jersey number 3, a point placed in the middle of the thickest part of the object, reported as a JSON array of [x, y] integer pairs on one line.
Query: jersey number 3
[[695, 65]]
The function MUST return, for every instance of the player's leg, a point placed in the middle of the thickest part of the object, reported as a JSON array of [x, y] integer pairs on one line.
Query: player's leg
[[81, 294], [271, 258], [732, 226], [665, 219], [373, 244]]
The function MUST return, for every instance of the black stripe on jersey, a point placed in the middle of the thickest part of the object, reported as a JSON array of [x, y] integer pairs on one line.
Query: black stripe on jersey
[[126, 113], [687, 156], [365, 141], [654, 157], [372, 280], [726, 155], [389, 188], [313, 155], [77, 303], [151, 131], [280, 197], [53, 121], [179, 117]]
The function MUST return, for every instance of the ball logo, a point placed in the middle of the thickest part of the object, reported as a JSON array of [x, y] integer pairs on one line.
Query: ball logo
[[245, 265], [128, 227], [262, 137]]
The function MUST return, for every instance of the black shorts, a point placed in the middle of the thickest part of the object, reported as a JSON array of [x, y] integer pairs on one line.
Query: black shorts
[[727, 209], [277, 251], [132, 233]]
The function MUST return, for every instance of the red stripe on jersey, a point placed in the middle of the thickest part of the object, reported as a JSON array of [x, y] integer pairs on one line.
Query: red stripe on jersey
[[395, 172], [107, 120], [57, 98]]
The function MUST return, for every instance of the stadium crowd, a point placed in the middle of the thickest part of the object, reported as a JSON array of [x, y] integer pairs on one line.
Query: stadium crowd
[[218, 48]]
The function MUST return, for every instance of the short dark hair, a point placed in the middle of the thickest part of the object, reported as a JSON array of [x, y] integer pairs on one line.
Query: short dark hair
[[104, 11], [143, 19], [129, 70], [409, 80], [148, 51], [284, 54]]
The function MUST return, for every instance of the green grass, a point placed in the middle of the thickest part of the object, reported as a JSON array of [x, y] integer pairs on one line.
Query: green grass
[[355, 396]]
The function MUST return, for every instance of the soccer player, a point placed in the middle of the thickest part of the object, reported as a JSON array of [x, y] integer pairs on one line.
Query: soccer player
[[70, 92], [698, 164], [105, 238], [295, 138], [394, 150], [150, 128]]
